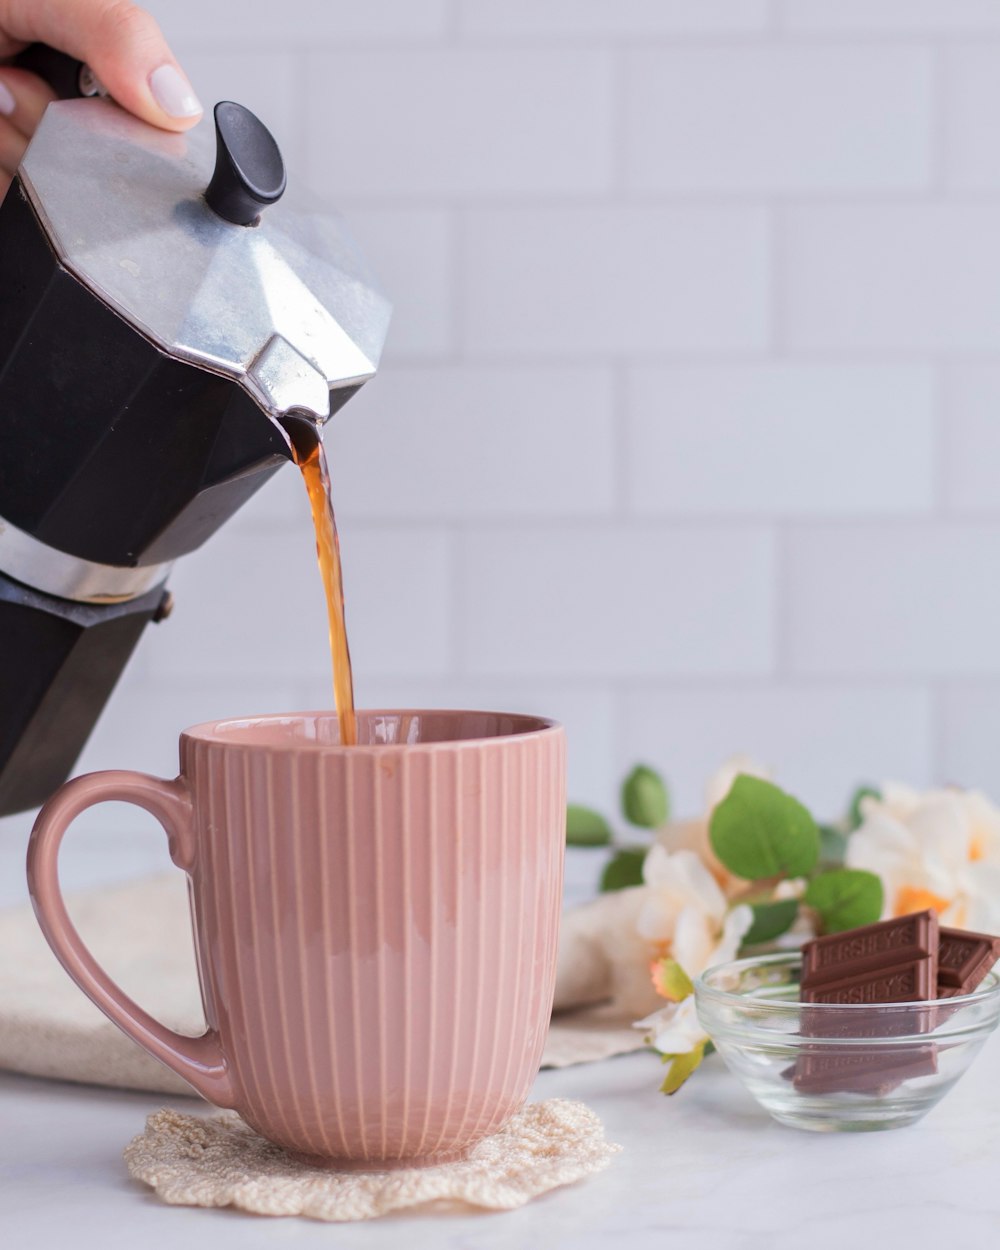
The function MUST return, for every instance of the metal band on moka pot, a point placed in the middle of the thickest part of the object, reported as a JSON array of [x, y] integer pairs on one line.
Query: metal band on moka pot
[[53, 572]]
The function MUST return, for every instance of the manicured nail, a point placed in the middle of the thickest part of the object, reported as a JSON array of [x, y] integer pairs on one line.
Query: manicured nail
[[7, 102], [173, 93]]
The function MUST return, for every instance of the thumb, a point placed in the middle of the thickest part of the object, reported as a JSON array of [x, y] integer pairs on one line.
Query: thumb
[[124, 47]]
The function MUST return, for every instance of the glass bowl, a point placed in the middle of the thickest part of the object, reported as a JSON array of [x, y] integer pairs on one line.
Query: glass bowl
[[833, 1068]]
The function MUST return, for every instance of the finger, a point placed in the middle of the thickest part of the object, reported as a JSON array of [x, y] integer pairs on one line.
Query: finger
[[124, 47], [23, 98], [12, 145], [8, 45]]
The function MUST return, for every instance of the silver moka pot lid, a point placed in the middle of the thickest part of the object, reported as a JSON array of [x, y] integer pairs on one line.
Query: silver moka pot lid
[[183, 236]]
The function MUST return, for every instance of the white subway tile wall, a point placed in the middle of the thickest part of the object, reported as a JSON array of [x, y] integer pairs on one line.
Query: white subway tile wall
[[785, 439], [619, 281], [895, 277], [895, 17], [394, 123], [688, 430], [766, 120]]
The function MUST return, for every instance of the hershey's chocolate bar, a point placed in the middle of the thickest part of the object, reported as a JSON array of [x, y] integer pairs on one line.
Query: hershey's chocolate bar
[[841, 956], [905, 1019], [906, 981], [906, 960], [963, 960], [828, 1069], [893, 961]]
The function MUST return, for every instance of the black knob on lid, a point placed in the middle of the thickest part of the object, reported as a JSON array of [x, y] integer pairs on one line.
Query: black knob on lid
[[249, 172]]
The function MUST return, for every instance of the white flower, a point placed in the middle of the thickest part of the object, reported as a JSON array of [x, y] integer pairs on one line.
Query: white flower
[[937, 849], [803, 929], [685, 913], [674, 1030], [791, 887]]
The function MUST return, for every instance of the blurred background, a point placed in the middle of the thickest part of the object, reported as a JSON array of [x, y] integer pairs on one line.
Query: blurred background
[[688, 430]]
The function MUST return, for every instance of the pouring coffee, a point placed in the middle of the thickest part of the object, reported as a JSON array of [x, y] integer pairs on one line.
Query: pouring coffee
[[309, 454], [163, 307]]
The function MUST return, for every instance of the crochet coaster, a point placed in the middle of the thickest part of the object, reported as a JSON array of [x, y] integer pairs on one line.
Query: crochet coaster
[[221, 1162]]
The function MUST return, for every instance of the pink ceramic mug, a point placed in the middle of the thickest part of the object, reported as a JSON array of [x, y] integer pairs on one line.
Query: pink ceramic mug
[[375, 925]]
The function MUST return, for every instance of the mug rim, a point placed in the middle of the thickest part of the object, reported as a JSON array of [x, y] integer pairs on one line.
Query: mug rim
[[211, 731]]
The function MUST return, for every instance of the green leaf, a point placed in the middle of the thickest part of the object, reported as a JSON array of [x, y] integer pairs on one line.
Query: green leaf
[[645, 801], [845, 898], [624, 869], [671, 981], [832, 845], [770, 920], [760, 831], [585, 827], [854, 816], [681, 1067]]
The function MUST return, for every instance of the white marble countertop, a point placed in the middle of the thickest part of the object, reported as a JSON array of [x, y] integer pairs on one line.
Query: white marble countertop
[[707, 1163]]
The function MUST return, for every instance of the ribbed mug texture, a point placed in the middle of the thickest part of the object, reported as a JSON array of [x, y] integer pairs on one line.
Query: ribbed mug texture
[[375, 925]]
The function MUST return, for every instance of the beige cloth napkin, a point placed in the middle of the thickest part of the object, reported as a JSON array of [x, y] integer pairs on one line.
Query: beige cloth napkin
[[141, 933], [219, 1162]]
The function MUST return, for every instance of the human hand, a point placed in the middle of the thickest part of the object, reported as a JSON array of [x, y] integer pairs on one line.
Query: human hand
[[120, 42]]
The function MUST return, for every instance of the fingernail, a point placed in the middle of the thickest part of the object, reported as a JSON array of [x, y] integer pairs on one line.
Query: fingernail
[[7, 102], [173, 93]]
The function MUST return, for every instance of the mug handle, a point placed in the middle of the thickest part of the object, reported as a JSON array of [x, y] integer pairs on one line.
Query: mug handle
[[199, 1060]]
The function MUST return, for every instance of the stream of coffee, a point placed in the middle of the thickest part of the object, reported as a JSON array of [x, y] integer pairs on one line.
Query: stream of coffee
[[310, 456]]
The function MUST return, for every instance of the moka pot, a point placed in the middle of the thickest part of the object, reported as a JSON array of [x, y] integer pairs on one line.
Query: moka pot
[[160, 313]]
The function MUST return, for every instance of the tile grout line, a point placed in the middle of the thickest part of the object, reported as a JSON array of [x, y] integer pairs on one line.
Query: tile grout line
[[941, 445], [781, 606], [938, 122], [937, 744], [621, 412]]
